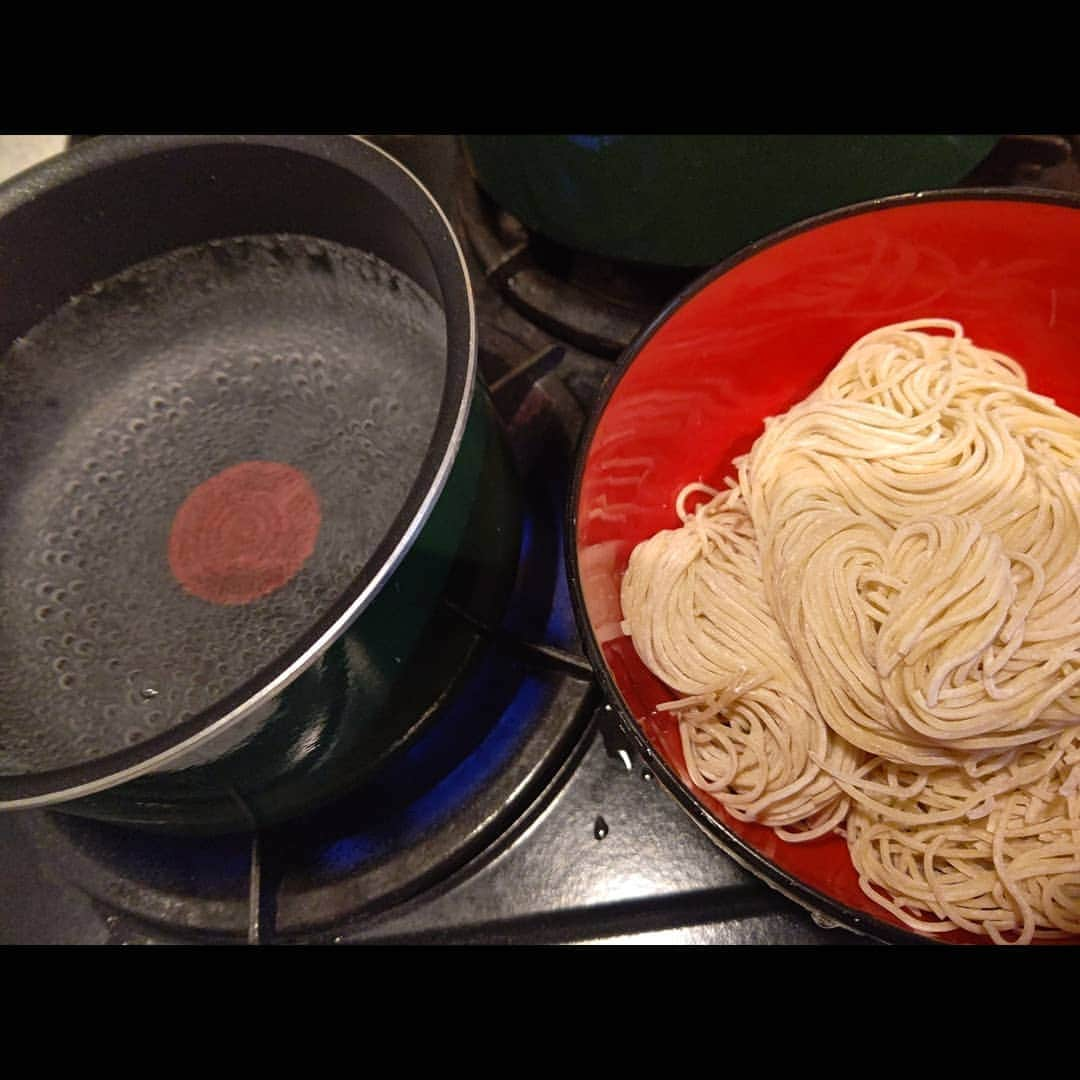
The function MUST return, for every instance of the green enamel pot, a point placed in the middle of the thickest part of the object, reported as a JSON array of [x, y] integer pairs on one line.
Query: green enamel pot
[[692, 200]]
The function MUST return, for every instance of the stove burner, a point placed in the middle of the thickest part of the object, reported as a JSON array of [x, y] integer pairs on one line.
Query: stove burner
[[474, 779], [595, 303], [495, 746], [245, 532]]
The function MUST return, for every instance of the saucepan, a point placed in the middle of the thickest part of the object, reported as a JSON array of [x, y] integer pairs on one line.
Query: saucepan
[[242, 451]]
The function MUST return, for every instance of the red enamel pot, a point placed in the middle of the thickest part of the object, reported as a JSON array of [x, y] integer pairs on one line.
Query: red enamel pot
[[748, 340]]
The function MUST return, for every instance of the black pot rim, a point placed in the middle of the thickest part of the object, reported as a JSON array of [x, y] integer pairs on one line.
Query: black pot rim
[[376, 166], [748, 857]]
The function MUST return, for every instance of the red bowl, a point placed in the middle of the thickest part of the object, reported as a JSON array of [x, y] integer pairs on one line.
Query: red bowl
[[749, 340]]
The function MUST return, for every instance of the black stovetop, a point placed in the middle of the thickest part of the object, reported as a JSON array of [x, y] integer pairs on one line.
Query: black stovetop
[[562, 835]]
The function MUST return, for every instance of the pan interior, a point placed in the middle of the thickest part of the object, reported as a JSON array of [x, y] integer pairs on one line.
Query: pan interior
[[292, 382]]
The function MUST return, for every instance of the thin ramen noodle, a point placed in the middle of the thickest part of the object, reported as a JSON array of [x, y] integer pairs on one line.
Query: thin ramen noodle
[[874, 629]]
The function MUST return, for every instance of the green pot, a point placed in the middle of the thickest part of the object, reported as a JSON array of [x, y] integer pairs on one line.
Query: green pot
[[692, 200]]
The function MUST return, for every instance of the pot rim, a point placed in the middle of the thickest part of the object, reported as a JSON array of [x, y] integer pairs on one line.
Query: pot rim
[[354, 154]]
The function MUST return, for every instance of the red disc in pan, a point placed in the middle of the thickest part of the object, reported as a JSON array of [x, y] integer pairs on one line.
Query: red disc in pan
[[245, 532]]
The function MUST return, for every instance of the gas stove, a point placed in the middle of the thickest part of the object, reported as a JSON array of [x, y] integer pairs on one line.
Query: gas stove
[[521, 814]]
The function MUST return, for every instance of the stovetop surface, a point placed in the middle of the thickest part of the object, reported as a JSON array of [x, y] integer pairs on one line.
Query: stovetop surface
[[583, 846], [606, 856]]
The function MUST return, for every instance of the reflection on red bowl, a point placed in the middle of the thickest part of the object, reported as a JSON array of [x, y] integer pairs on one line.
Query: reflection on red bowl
[[749, 340]]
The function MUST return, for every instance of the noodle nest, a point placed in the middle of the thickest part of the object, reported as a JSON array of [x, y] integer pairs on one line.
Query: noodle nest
[[874, 629]]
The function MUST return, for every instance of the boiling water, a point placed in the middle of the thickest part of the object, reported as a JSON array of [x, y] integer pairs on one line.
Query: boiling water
[[115, 408]]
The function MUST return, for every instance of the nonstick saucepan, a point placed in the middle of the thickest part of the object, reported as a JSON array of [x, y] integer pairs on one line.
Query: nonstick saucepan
[[241, 449]]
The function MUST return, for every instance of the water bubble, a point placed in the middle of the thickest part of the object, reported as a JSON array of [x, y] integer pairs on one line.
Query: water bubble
[[600, 828]]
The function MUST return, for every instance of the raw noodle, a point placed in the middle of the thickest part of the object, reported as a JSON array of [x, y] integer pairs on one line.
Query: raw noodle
[[875, 629]]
